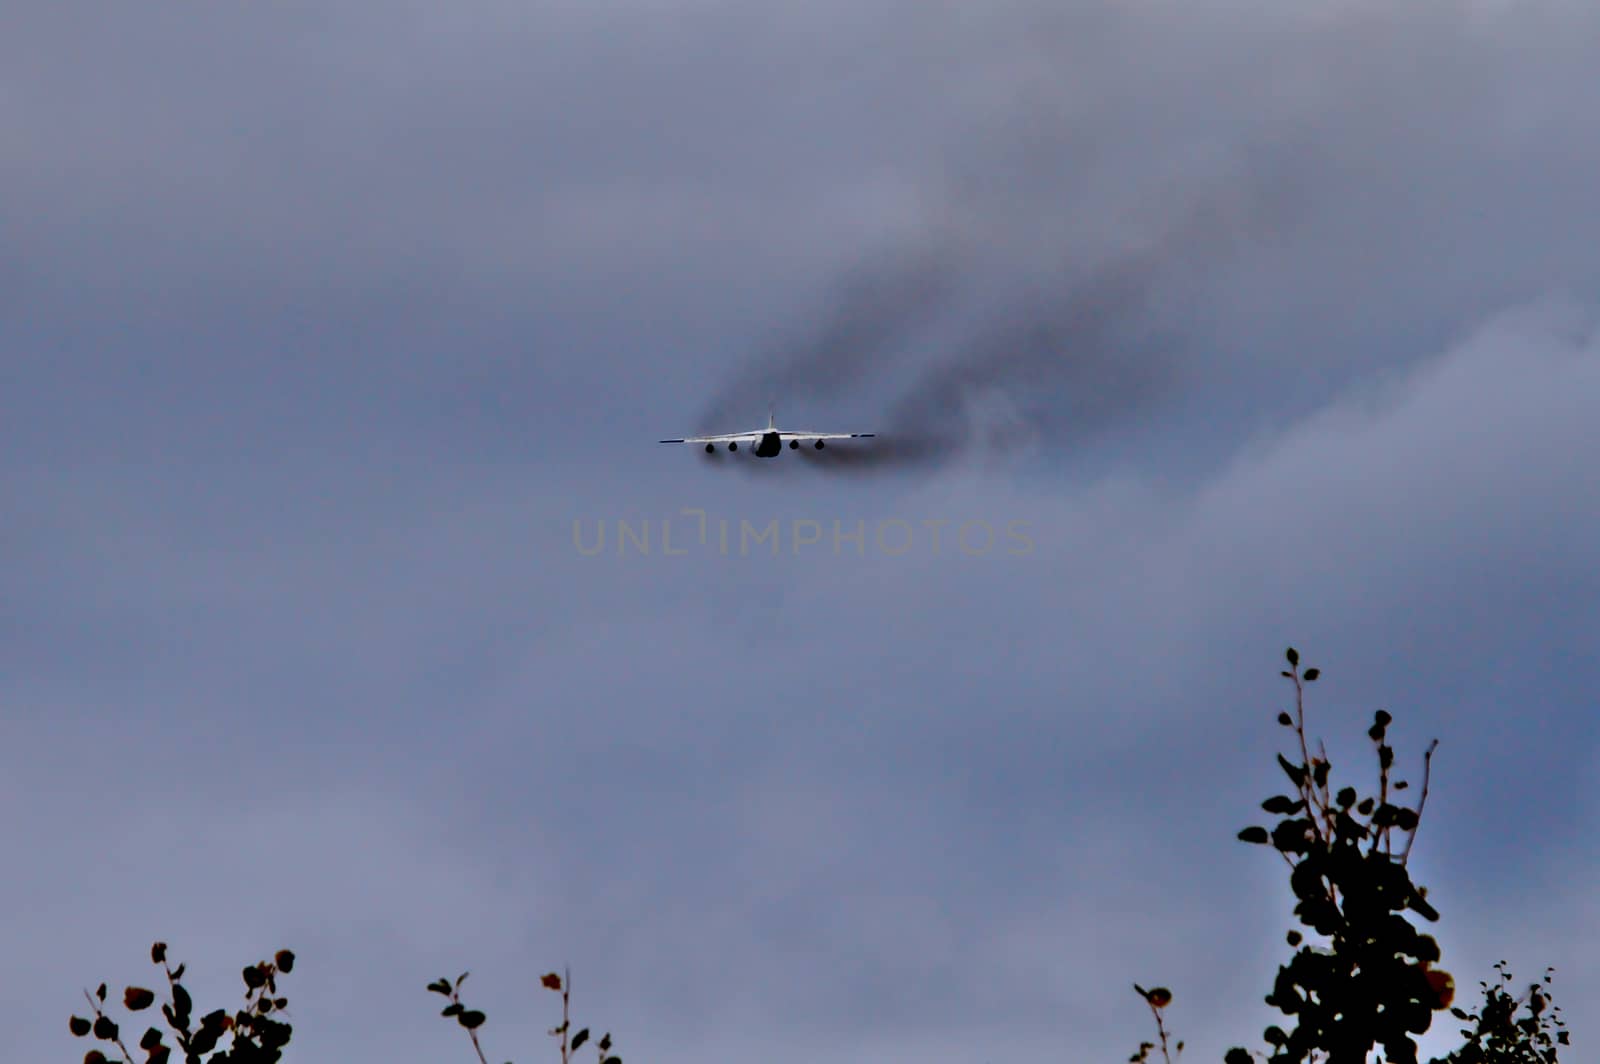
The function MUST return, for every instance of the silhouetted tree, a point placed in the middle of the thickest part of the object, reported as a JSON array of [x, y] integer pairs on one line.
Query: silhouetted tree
[[1362, 974]]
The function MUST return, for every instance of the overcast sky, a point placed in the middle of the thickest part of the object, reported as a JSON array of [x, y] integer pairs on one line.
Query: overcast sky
[[333, 336]]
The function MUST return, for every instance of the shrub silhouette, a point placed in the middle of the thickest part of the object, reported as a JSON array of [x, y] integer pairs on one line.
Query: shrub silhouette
[[1363, 975], [256, 1034], [472, 1019], [1369, 977], [1498, 1035]]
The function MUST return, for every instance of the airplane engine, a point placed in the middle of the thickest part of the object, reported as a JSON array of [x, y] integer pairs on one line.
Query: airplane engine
[[819, 445]]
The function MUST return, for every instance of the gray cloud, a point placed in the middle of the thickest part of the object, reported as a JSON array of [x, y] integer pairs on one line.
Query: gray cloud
[[832, 817], [322, 325]]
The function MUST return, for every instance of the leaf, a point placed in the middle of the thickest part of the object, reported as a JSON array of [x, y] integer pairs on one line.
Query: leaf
[[205, 1040], [580, 1038], [1160, 997], [1421, 905], [1365, 808], [178, 974], [1293, 655], [471, 1020], [1286, 720], [1293, 938], [94, 1056], [1282, 804], [440, 987], [1382, 718], [1296, 774], [1443, 987], [1290, 835], [101, 993], [1346, 797], [1253, 834], [1312, 674], [284, 959], [158, 953], [552, 981], [460, 978], [453, 1009], [104, 1028], [137, 999], [79, 1026], [254, 977], [1275, 1035], [151, 1039]]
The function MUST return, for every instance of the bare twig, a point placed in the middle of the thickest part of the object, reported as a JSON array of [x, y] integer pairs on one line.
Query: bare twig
[[1308, 785], [1427, 765], [479, 1049], [1161, 1030], [565, 1030]]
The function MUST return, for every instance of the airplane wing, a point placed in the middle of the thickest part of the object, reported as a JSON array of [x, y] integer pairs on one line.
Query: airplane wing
[[825, 435], [730, 437]]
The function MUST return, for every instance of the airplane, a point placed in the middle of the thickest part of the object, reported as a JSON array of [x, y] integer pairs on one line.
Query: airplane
[[768, 442]]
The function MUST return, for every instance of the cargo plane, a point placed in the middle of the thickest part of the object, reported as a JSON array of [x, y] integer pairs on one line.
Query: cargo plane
[[768, 442]]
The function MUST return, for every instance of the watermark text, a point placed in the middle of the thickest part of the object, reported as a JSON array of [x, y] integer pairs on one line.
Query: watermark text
[[693, 531]]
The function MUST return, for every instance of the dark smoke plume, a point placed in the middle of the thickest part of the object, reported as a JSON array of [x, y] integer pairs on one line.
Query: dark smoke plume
[[878, 304], [1088, 351]]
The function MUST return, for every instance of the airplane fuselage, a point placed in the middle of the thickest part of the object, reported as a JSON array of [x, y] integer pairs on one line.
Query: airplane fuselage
[[770, 445], [768, 442]]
